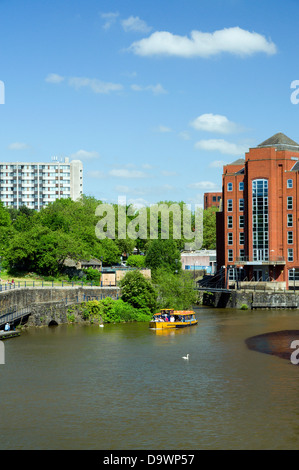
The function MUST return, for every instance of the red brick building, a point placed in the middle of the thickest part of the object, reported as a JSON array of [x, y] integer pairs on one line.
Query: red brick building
[[212, 199], [257, 229]]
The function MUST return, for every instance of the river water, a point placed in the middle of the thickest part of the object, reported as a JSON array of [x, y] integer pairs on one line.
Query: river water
[[127, 387]]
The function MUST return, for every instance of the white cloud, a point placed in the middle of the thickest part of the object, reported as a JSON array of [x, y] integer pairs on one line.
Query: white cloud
[[217, 164], [234, 40], [168, 173], [84, 155], [125, 173], [109, 18], [184, 135], [54, 78], [18, 146], [134, 23], [97, 86], [214, 123], [156, 89], [138, 203], [206, 185], [221, 146], [164, 129], [95, 174]]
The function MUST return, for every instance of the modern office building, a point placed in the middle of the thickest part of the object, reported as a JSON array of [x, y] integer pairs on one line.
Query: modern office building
[[257, 227], [35, 185], [212, 199]]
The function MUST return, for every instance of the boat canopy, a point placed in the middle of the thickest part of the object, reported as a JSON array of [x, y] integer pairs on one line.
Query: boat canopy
[[174, 312]]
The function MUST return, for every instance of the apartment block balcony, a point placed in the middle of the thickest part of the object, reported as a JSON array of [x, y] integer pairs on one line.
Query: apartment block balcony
[[270, 261]]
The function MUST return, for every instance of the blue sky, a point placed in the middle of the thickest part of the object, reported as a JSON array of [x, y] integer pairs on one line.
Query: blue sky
[[153, 96]]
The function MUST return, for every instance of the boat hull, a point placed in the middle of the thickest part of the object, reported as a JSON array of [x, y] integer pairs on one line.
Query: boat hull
[[167, 325]]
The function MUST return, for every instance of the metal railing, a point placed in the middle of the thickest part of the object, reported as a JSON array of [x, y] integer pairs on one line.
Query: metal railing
[[24, 284]]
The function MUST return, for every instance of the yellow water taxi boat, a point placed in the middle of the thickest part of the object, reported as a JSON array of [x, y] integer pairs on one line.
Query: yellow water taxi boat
[[169, 318]]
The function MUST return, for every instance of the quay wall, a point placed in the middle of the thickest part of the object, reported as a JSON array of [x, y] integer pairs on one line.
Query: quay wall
[[49, 305], [251, 300]]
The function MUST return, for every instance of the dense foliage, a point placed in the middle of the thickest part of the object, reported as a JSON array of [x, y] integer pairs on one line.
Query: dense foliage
[[138, 291], [112, 311], [174, 290], [41, 242]]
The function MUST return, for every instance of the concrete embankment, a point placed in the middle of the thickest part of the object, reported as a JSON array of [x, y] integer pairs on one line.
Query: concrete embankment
[[250, 299]]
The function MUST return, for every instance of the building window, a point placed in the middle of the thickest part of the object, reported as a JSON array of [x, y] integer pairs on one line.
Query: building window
[[241, 186], [242, 254], [241, 221], [230, 255], [229, 186], [289, 183], [241, 205], [290, 238], [241, 238], [229, 221], [290, 203], [291, 274], [230, 238], [214, 198], [260, 220], [229, 205], [290, 220], [290, 254]]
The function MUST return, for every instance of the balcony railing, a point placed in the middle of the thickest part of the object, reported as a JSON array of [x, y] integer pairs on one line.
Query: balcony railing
[[270, 260]]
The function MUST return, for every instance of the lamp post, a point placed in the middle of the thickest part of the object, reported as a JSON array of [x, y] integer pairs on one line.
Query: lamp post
[[223, 271], [294, 278]]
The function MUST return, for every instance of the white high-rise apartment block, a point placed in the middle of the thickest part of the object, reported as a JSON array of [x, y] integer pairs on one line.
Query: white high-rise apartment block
[[35, 185]]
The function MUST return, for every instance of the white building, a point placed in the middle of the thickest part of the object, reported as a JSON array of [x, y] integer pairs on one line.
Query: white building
[[37, 184]]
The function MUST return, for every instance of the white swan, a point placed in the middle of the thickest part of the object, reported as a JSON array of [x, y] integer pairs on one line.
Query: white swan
[[186, 357], [101, 325]]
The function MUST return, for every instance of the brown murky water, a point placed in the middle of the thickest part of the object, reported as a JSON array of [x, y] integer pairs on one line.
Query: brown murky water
[[127, 387]]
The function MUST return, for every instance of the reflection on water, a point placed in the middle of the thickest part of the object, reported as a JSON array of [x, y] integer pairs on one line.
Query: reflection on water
[[125, 386]]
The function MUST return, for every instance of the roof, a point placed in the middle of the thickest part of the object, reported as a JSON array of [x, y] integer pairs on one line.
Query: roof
[[295, 167], [240, 161], [281, 142]]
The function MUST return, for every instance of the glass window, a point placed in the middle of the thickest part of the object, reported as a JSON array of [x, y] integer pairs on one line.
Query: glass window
[[229, 186], [241, 238], [241, 221], [241, 186], [260, 220], [229, 221], [214, 198], [290, 220], [229, 205], [290, 203], [230, 255], [290, 238], [242, 254], [230, 238], [290, 254], [291, 274], [241, 204], [289, 183]]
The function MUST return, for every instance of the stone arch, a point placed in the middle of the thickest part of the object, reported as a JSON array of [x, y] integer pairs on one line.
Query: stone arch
[[53, 323]]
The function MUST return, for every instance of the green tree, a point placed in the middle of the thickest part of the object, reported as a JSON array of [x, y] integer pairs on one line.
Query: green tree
[[163, 254], [138, 291], [137, 261], [209, 228], [175, 290]]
